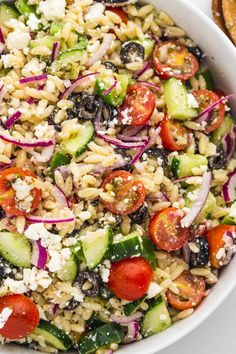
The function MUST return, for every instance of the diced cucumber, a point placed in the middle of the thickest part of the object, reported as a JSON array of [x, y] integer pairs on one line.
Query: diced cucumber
[[117, 95], [77, 144], [208, 77], [69, 270], [209, 205], [23, 7], [96, 245], [52, 336], [67, 64], [46, 41], [176, 99], [183, 164], [79, 42], [100, 337], [133, 306], [7, 13], [229, 220], [55, 28], [149, 252], [59, 159], [156, 319], [16, 249], [224, 129]]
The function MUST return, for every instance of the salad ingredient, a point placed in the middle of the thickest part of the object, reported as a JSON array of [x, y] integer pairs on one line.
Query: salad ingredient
[[174, 136], [200, 257]]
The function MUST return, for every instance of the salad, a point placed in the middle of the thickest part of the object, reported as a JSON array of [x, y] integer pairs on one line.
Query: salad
[[117, 175]]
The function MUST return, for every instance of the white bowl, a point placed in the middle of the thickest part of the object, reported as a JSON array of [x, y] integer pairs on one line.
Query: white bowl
[[222, 61]]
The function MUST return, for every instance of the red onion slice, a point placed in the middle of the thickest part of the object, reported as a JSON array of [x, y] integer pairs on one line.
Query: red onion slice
[[53, 308], [127, 319], [132, 138], [150, 85], [140, 152], [229, 143], [119, 143], [2, 40], [42, 220], [188, 220], [55, 50], [206, 114], [60, 197], [106, 44], [76, 84], [31, 79], [132, 333], [25, 143], [3, 165], [106, 92], [140, 72], [39, 255], [12, 119], [229, 188]]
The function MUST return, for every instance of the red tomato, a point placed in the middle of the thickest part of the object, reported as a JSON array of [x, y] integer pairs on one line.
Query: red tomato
[[7, 193], [174, 136], [138, 105], [215, 238], [130, 278], [206, 98], [165, 230], [172, 59], [24, 318], [118, 11], [129, 194], [191, 291]]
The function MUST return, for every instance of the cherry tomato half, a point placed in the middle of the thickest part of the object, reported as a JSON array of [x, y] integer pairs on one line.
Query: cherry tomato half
[[118, 11], [191, 291], [206, 98], [174, 136], [172, 59], [7, 194], [215, 238], [23, 319], [130, 278], [138, 105], [165, 230], [128, 193]]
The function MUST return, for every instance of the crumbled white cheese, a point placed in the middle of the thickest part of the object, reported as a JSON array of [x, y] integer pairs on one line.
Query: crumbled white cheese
[[33, 22], [33, 67], [105, 271], [4, 316], [22, 188], [17, 40], [15, 286], [40, 130], [34, 277], [193, 195], [154, 289], [52, 9], [220, 254], [84, 215], [192, 102], [95, 12]]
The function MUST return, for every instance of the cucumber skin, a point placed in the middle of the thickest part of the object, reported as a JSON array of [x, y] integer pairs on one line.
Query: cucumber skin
[[113, 98], [224, 129], [132, 307], [185, 164], [69, 271], [6, 13], [56, 332], [207, 75], [24, 8], [20, 241], [175, 167], [100, 337]]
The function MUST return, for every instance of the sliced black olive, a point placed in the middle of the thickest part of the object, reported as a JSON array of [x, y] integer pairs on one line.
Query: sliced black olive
[[5, 269], [112, 220], [73, 304], [200, 258], [110, 66], [93, 278], [131, 52], [139, 216], [109, 115], [219, 160], [85, 107], [156, 152], [51, 120], [197, 52]]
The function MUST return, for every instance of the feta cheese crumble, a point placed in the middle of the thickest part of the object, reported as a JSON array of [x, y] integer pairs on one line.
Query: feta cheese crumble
[[52, 9], [154, 289]]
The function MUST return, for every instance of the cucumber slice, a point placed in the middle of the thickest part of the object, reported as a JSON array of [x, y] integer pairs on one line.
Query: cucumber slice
[[66, 61], [59, 159], [100, 337], [207, 208], [183, 164], [224, 129], [208, 77], [52, 335], [117, 95], [55, 28], [156, 319], [69, 271], [7, 13], [149, 252], [16, 249], [23, 7], [133, 306], [176, 98], [96, 245], [77, 145], [46, 41]]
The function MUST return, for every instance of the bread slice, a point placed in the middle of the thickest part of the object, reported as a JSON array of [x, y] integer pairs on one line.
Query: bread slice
[[218, 15], [229, 12]]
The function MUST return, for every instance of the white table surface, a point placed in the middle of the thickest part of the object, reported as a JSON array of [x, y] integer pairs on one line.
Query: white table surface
[[217, 335]]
